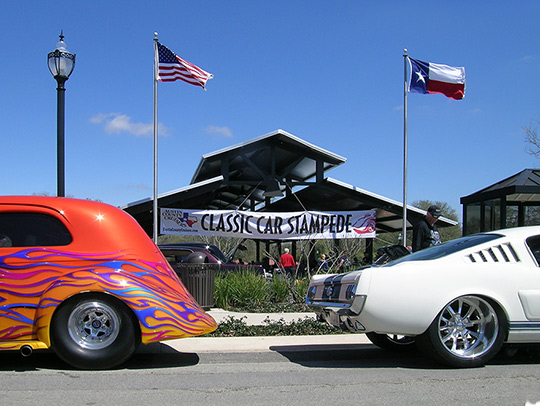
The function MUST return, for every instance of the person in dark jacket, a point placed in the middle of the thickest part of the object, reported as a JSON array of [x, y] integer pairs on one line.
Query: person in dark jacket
[[425, 232]]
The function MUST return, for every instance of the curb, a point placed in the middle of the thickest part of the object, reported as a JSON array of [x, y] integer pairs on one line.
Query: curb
[[256, 319], [256, 344]]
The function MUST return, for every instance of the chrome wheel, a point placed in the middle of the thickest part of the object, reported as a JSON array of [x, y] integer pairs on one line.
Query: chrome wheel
[[468, 327], [94, 331], [93, 325]]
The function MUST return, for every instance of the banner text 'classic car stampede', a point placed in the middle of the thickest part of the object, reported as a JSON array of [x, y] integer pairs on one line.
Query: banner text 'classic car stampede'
[[263, 225]]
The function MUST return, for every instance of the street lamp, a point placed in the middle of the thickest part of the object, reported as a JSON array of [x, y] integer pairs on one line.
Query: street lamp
[[61, 64]]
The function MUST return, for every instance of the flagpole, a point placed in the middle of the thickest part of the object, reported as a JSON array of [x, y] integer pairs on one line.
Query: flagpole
[[155, 199], [405, 91]]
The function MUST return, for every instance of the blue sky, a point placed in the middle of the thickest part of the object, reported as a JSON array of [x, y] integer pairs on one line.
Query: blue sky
[[329, 72]]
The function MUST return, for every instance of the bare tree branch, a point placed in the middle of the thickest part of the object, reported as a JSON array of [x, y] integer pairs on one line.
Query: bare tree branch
[[532, 139]]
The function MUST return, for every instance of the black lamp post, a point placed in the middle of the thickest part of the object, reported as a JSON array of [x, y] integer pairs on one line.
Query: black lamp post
[[61, 64]]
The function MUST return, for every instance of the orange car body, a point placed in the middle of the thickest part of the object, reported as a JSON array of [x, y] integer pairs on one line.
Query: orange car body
[[106, 252]]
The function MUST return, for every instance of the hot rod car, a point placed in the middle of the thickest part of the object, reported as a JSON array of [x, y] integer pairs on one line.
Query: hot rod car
[[83, 278]]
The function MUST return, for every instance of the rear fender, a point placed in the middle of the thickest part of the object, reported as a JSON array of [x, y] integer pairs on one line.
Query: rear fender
[[163, 311], [53, 297]]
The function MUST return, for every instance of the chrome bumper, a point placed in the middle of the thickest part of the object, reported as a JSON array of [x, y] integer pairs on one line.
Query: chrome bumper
[[344, 316]]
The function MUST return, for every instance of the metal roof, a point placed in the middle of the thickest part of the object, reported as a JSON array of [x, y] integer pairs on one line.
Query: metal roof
[[235, 178], [196, 196], [274, 154], [333, 195], [523, 187]]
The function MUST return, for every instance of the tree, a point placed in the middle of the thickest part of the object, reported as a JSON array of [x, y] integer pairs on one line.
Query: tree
[[532, 140]]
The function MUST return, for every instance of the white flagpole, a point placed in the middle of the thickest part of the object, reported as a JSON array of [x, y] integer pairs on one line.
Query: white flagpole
[[405, 90], [155, 200]]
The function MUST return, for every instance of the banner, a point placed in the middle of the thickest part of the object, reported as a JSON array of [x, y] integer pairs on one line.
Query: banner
[[264, 225]]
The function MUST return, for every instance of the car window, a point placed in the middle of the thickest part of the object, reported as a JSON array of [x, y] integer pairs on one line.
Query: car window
[[215, 251], [534, 245], [176, 255], [447, 248], [32, 230]]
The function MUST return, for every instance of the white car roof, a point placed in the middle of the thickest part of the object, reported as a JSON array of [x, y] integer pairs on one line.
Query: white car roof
[[517, 232]]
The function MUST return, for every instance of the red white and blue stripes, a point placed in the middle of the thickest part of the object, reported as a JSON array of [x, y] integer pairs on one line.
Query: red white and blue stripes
[[427, 77], [171, 67]]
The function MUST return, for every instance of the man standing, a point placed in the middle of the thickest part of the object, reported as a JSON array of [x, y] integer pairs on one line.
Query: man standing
[[287, 262], [425, 232]]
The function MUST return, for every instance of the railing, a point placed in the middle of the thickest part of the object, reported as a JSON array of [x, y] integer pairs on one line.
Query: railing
[[199, 281]]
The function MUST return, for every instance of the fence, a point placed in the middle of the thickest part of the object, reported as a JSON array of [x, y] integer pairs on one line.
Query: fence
[[199, 281]]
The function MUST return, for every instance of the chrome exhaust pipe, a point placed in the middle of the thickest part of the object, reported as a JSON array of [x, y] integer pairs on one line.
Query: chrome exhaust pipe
[[26, 350]]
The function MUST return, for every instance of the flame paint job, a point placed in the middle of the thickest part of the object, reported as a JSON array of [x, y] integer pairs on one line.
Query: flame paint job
[[110, 254]]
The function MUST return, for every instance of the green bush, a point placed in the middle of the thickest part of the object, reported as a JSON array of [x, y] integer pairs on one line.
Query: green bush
[[233, 327], [301, 287], [247, 291], [241, 290], [279, 290]]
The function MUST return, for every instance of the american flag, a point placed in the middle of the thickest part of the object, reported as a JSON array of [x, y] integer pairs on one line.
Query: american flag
[[171, 67]]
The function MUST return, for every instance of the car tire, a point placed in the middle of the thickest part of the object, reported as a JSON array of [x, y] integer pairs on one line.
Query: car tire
[[392, 342], [94, 331], [467, 333]]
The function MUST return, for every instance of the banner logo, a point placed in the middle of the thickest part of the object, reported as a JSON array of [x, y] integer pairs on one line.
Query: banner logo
[[265, 225]]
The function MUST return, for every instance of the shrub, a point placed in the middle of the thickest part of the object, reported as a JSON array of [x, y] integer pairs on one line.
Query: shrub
[[279, 290], [247, 291], [242, 290], [233, 327]]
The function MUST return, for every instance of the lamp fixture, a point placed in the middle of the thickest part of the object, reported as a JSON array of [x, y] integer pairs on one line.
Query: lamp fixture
[[61, 62], [273, 188]]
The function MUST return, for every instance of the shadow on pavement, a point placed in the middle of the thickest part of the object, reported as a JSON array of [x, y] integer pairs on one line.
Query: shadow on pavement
[[147, 357], [352, 356], [14, 361], [147, 361], [370, 356], [517, 356], [159, 355], [313, 356]]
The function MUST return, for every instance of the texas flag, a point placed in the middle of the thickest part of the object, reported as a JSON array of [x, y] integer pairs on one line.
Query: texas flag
[[427, 77]]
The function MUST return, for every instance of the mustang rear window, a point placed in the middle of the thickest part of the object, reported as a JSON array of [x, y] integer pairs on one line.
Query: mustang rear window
[[534, 245], [448, 248]]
